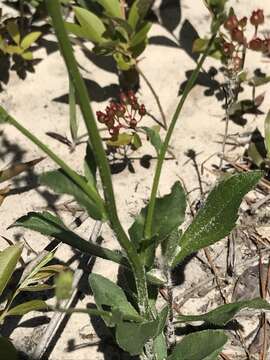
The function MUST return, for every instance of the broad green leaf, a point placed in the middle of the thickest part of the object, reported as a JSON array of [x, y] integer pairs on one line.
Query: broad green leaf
[[14, 32], [225, 313], [138, 12], [171, 246], [112, 7], [91, 24], [199, 45], [156, 277], [160, 347], [267, 133], [90, 166], [76, 30], [63, 285], [123, 139], [141, 35], [14, 49], [50, 225], [169, 214], [8, 261], [154, 137], [59, 182], [29, 39], [139, 333], [7, 350], [27, 55], [201, 345], [32, 305], [218, 216], [17, 169], [108, 293]]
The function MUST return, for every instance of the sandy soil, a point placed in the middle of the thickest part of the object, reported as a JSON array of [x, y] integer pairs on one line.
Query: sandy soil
[[35, 102]]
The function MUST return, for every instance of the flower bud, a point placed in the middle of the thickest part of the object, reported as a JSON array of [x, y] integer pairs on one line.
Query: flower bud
[[142, 110], [123, 98], [238, 36], [256, 44], [133, 123], [121, 109], [228, 48], [257, 17], [101, 117], [243, 22], [231, 23]]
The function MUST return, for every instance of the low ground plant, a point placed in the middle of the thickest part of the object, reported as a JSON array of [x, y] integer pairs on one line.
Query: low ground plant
[[143, 325]]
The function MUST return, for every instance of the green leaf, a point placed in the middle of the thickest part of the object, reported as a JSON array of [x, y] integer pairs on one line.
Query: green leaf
[[14, 32], [156, 277], [141, 35], [63, 285], [258, 80], [32, 305], [108, 293], [217, 218], [123, 139], [7, 350], [138, 12], [136, 141], [73, 124], [160, 347], [169, 214], [50, 225], [59, 182], [139, 333], [29, 39], [123, 62], [255, 154], [201, 345], [171, 246], [8, 261], [225, 313], [91, 24], [267, 133], [27, 55], [112, 7], [153, 135], [76, 30], [90, 166]]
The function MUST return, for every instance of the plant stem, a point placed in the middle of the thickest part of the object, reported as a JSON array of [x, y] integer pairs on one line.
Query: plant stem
[[148, 83], [86, 187], [54, 10], [189, 86]]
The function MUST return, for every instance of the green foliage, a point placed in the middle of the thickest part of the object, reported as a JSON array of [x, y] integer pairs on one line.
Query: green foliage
[[225, 313], [108, 293], [218, 216], [8, 261], [124, 39], [63, 285], [201, 345], [59, 182], [169, 214]]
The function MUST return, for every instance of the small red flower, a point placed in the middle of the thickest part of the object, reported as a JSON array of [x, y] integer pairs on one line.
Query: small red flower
[[257, 17], [256, 44], [231, 23]]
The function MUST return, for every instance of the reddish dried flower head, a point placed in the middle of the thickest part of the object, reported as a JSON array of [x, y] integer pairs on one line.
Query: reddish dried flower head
[[238, 36], [142, 110], [101, 116], [257, 17], [123, 98], [228, 48], [113, 106], [121, 109], [131, 96], [133, 123], [110, 122], [256, 44], [231, 23]]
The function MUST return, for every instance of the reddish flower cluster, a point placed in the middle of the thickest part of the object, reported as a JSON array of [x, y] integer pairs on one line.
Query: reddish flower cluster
[[236, 28], [126, 114]]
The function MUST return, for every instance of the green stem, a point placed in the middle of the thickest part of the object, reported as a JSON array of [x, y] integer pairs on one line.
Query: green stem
[[54, 10], [189, 86], [86, 187]]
